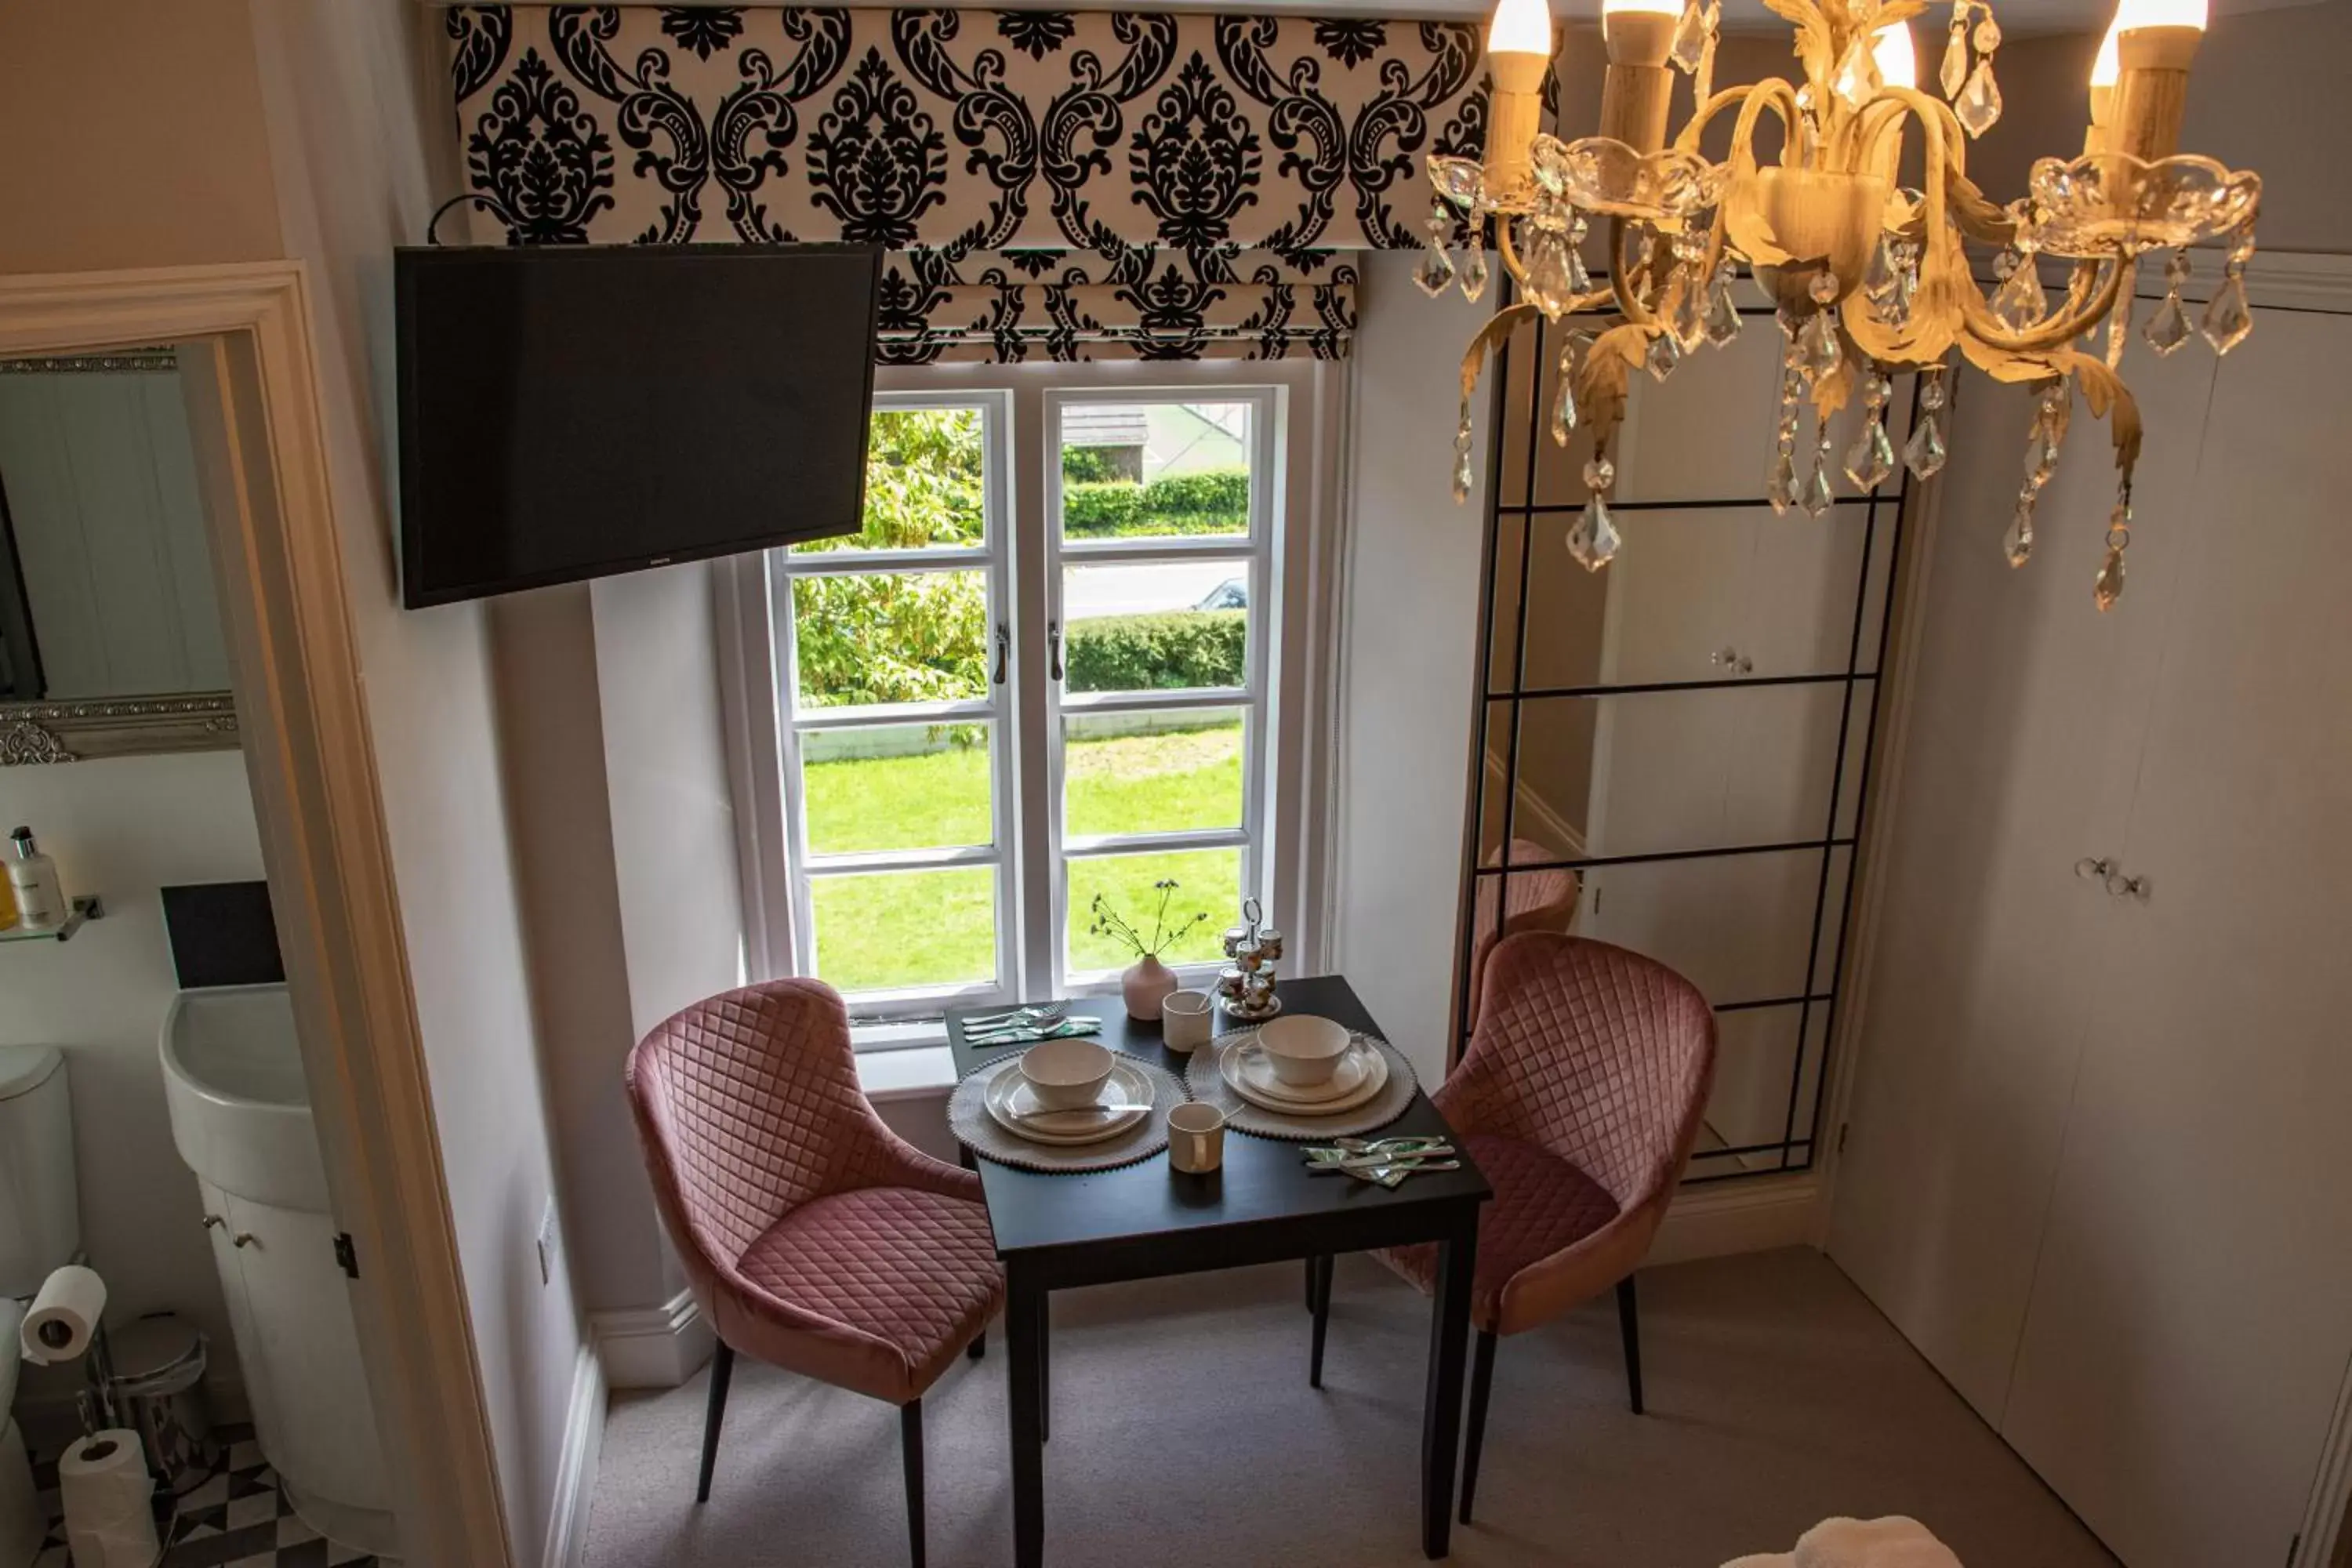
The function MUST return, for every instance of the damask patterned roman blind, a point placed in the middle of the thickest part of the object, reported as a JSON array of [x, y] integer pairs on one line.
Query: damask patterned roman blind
[[1051, 184]]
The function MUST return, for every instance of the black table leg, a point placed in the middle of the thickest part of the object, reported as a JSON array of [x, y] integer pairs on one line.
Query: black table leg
[[1441, 1414], [1024, 1322]]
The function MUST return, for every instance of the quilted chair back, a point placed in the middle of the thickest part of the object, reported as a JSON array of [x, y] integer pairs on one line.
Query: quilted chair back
[[747, 1106], [1534, 900], [1599, 1055]]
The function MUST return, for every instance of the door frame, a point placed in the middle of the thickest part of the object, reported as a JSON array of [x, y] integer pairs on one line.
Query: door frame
[[244, 337]]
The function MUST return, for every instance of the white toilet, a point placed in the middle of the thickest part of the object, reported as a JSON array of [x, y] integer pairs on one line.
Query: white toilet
[[40, 1230]]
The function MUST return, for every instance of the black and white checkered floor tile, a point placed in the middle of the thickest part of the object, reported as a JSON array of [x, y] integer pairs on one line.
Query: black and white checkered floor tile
[[240, 1519]]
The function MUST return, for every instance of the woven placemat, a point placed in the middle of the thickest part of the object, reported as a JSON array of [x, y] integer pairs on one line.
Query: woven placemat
[[977, 1131], [1395, 1098]]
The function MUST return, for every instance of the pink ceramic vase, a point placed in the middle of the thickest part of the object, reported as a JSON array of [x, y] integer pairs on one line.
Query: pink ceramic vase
[[1147, 984]]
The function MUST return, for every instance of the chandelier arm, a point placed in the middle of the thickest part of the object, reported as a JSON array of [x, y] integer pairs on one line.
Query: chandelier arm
[[1621, 276], [1688, 140], [2043, 336], [1509, 251]]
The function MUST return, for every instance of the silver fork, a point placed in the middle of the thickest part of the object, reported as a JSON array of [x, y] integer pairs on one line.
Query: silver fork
[[1030, 1017]]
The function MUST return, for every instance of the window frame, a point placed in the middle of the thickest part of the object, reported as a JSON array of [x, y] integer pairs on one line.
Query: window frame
[[804, 867], [1255, 550], [1296, 567]]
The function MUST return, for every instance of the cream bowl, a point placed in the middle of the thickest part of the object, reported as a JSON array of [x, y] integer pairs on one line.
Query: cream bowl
[[1066, 1074], [1304, 1050]]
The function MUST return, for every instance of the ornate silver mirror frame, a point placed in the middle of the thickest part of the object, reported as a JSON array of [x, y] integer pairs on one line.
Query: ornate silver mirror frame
[[116, 727]]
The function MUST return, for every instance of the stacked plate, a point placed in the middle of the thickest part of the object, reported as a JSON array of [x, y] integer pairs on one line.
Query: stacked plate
[[1124, 1099], [1361, 1073]]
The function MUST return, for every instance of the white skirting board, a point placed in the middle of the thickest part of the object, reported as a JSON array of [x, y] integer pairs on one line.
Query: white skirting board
[[575, 1474], [1721, 1219], [652, 1347]]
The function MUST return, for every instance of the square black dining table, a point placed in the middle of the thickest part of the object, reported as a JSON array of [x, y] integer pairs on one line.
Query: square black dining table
[[1144, 1221]]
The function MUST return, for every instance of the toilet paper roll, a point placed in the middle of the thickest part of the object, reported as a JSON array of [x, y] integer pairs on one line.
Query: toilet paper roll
[[64, 1317], [109, 1520]]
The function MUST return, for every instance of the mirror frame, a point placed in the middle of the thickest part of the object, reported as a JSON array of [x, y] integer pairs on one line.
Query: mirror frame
[[73, 732]]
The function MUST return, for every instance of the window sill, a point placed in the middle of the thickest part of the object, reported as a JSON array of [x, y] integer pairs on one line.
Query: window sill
[[911, 1062]]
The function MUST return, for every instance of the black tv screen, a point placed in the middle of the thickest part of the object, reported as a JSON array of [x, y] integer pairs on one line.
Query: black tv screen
[[571, 412]]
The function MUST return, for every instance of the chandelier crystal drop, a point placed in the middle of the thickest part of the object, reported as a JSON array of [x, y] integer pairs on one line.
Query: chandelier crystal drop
[[1871, 279]]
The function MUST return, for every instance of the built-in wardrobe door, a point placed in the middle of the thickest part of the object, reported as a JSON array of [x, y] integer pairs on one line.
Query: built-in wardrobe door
[[2191, 1317], [2022, 734]]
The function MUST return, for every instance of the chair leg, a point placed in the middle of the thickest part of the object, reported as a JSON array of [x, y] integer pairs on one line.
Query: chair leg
[[723, 1366], [1629, 1322], [910, 1442], [979, 1346], [1318, 1286], [1482, 1384]]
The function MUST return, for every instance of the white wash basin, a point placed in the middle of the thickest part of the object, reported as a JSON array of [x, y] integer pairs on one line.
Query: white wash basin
[[240, 1107]]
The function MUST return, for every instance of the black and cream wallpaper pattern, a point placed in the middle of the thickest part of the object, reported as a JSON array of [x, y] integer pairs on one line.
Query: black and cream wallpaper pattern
[[1052, 185]]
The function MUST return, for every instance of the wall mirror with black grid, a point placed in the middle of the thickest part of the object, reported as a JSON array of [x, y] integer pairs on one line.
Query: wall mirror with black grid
[[1674, 751], [111, 638]]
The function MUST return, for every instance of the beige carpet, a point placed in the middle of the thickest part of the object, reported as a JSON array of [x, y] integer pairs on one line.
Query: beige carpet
[[1184, 1433]]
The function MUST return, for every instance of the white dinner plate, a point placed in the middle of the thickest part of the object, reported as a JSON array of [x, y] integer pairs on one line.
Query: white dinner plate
[[1010, 1099], [1363, 1072]]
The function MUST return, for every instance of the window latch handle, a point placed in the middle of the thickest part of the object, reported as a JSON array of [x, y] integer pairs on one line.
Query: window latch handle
[[1054, 642], [1004, 652]]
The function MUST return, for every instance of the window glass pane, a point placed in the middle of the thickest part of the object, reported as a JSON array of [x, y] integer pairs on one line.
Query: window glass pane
[[888, 931], [923, 488], [1152, 772], [896, 786], [891, 637], [1208, 883], [1164, 626], [1155, 471]]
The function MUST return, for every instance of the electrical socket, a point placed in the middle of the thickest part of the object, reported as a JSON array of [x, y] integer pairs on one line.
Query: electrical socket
[[547, 1244]]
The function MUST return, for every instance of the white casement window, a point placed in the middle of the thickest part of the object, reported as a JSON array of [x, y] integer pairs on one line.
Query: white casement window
[[1070, 657]]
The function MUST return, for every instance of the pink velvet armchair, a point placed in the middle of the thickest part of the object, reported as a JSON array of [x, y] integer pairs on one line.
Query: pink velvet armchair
[[814, 1238], [1579, 1098]]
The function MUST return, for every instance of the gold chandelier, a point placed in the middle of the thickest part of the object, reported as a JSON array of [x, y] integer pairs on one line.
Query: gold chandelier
[[1870, 279]]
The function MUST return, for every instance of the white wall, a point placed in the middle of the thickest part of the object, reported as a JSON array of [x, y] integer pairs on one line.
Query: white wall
[[362, 147], [666, 771], [121, 828], [1410, 621], [624, 833]]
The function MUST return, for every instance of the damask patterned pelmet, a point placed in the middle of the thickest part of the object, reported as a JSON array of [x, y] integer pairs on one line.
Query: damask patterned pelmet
[[1054, 185]]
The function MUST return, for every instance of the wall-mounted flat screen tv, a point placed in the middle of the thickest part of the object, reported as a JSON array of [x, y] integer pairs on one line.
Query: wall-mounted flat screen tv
[[570, 412]]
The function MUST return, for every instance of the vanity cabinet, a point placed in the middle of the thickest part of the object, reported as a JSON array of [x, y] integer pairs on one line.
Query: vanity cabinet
[[2094, 1166], [289, 1309]]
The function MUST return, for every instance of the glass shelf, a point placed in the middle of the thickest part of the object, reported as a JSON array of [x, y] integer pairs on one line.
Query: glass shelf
[[84, 909]]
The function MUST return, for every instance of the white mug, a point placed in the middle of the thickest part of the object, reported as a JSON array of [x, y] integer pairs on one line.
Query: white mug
[[1196, 1137], [1185, 1020]]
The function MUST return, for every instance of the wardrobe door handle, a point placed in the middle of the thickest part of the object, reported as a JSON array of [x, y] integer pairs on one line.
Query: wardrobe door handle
[[2094, 868], [213, 1219], [1054, 642], [1004, 652], [2122, 886], [242, 1238]]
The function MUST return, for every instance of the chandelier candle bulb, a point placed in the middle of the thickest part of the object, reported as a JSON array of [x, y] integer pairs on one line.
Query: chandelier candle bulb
[[2155, 43], [1518, 51], [1639, 89], [2104, 69]]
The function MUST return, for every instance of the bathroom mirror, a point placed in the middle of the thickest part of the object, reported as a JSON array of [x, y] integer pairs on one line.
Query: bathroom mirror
[[110, 637]]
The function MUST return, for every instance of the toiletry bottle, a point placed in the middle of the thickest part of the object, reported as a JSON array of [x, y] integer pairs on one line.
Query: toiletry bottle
[[33, 878]]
